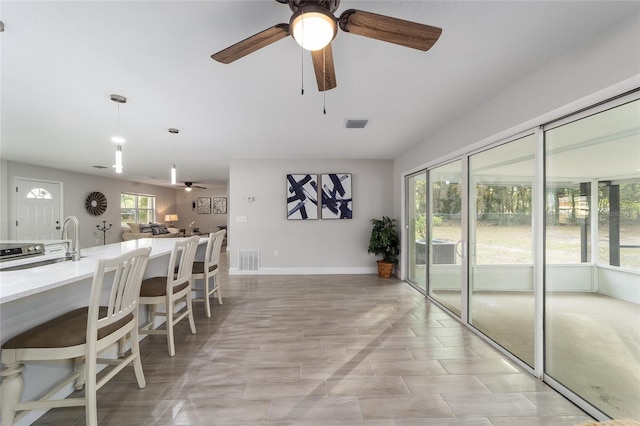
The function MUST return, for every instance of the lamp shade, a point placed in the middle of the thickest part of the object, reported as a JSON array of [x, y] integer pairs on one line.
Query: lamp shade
[[313, 27], [170, 217]]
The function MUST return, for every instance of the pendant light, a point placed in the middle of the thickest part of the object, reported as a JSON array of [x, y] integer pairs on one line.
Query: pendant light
[[118, 99], [118, 164], [173, 168]]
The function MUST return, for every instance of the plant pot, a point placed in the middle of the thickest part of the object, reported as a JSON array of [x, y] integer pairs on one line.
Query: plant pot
[[385, 269]]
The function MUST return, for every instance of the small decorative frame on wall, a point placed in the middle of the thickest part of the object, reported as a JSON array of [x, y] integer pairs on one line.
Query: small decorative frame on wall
[[203, 205], [219, 205], [302, 197]]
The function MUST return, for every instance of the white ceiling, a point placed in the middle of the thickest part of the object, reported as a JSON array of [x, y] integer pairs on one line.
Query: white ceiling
[[62, 60]]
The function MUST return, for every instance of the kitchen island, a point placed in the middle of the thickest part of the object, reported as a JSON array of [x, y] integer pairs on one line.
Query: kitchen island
[[31, 296]]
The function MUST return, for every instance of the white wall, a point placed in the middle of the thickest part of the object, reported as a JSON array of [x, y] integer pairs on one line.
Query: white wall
[[604, 66], [305, 246], [76, 187], [4, 200]]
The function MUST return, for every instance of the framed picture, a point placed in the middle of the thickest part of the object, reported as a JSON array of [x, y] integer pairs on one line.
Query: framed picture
[[302, 197], [219, 205], [336, 196], [204, 205]]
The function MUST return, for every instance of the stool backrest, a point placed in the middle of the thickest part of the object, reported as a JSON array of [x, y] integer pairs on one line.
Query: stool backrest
[[125, 274], [181, 261], [214, 245]]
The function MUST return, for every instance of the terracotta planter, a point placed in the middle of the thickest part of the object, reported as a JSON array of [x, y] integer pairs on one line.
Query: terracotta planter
[[385, 269]]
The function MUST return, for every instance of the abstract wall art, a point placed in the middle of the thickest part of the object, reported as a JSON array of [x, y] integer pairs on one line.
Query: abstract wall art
[[204, 205], [337, 202], [302, 197], [219, 205]]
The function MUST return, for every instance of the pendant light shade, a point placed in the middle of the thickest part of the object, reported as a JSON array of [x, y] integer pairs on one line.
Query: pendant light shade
[[118, 165], [173, 175]]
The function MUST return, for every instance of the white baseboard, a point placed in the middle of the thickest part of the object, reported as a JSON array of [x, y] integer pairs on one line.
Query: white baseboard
[[307, 271]]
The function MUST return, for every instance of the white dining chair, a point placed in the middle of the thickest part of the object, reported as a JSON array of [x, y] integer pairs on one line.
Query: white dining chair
[[169, 290], [80, 335], [207, 270]]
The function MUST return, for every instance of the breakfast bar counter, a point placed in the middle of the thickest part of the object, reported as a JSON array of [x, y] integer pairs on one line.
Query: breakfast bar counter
[[18, 284], [34, 295]]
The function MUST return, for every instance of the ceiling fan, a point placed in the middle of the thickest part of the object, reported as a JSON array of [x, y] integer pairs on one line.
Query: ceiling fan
[[188, 186], [312, 15]]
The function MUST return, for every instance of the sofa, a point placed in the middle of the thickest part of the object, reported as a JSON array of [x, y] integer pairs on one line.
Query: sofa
[[150, 230]]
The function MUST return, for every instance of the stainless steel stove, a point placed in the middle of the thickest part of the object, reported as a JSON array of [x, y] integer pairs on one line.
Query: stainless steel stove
[[17, 250]]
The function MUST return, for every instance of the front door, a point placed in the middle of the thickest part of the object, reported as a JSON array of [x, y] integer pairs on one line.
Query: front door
[[38, 209]]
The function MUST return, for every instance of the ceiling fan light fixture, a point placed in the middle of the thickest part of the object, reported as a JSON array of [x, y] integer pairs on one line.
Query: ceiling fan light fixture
[[313, 27], [188, 189]]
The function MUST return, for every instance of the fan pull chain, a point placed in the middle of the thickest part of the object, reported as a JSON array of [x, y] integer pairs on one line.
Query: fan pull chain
[[302, 58], [302, 70], [324, 107], [324, 82]]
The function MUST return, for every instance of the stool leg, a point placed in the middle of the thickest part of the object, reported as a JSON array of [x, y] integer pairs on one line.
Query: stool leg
[[121, 347], [137, 362], [170, 344], [79, 366], [12, 384], [192, 322], [207, 305], [152, 316], [218, 291], [90, 392]]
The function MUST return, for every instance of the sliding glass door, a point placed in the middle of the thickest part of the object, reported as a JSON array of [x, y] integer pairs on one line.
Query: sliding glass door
[[445, 242], [552, 270], [501, 295], [416, 221], [592, 258]]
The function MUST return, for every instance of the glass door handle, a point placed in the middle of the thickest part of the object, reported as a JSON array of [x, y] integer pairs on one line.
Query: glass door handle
[[461, 249]]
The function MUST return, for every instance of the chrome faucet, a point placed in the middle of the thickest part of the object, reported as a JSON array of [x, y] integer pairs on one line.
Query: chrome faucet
[[76, 236]]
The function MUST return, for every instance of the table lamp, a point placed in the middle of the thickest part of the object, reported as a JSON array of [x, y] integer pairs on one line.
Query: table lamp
[[170, 218]]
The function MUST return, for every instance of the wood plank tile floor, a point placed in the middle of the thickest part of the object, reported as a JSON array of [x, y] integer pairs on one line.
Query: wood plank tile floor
[[325, 350]]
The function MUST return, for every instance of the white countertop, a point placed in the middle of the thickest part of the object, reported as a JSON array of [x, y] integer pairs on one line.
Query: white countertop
[[16, 285], [44, 242]]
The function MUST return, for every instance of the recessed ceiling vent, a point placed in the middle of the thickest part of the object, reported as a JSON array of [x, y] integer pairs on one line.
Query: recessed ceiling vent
[[100, 167], [356, 124]]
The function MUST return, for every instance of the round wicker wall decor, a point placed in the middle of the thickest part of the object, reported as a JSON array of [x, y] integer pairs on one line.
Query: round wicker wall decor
[[96, 203]]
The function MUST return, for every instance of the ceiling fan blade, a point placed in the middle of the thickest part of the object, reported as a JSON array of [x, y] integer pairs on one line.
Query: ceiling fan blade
[[251, 44], [191, 185], [323, 66], [392, 30]]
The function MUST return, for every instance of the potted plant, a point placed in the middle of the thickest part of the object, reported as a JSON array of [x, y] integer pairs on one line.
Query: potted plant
[[385, 242]]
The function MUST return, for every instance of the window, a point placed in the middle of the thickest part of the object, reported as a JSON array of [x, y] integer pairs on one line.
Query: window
[[137, 208], [39, 193]]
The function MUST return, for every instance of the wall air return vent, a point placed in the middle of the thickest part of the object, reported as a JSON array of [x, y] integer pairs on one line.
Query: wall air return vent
[[248, 259], [356, 124]]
